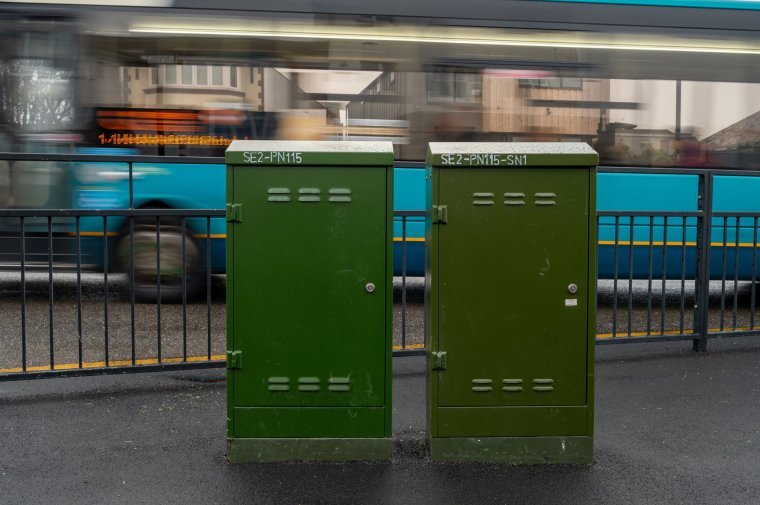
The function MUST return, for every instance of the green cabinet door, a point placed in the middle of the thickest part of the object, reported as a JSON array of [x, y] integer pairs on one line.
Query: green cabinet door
[[309, 288], [512, 283]]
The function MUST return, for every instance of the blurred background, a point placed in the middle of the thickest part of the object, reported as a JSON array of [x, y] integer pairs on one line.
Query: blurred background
[[655, 84]]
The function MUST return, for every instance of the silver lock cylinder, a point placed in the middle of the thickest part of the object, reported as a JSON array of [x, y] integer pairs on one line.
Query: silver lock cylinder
[[572, 289], [370, 287]]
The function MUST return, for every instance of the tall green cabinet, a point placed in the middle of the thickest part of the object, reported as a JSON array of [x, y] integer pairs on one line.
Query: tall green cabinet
[[511, 301], [309, 300]]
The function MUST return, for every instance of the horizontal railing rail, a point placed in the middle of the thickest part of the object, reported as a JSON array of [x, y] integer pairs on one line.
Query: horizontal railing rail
[[98, 327], [672, 275]]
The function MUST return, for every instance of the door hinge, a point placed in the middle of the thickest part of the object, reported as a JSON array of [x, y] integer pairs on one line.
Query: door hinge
[[439, 360], [234, 359], [440, 214], [234, 213]]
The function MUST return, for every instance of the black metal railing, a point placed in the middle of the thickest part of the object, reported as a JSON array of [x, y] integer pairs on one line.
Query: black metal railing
[[78, 301], [666, 285], [115, 346], [671, 278], [412, 341]]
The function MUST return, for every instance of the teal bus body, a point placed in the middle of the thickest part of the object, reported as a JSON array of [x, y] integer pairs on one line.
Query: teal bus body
[[733, 241], [707, 4], [650, 248], [193, 186]]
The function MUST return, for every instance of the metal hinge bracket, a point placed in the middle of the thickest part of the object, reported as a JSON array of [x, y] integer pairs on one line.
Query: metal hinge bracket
[[234, 359], [439, 361], [234, 213], [440, 214]]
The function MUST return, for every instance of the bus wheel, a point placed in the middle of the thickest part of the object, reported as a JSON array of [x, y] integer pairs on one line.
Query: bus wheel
[[146, 254]]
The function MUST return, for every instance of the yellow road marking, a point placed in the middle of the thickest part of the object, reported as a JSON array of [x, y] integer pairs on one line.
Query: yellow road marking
[[410, 346], [113, 364], [606, 336]]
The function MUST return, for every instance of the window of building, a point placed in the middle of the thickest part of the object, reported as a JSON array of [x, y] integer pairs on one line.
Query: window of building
[[553, 83], [195, 75], [216, 75], [170, 74], [454, 88], [187, 74], [201, 76]]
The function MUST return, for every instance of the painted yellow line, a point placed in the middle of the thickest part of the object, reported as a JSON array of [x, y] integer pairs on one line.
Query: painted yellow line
[[603, 336], [410, 346], [113, 364]]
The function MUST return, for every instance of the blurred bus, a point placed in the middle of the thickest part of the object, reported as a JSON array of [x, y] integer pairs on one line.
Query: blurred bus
[[647, 83]]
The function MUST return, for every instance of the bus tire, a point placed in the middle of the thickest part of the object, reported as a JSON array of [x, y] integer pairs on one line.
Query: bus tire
[[144, 281]]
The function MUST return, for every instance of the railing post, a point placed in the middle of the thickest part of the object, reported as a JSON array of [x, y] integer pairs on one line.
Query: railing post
[[702, 279]]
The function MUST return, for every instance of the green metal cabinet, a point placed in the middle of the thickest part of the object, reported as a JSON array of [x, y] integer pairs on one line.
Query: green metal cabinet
[[511, 301], [309, 300]]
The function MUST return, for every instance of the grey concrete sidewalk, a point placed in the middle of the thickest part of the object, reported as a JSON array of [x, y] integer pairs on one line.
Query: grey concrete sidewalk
[[672, 427]]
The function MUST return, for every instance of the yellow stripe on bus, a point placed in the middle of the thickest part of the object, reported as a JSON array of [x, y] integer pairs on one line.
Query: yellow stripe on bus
[[113, 363], [213, 235], [676, 244], [93, 234], [422, 239], [217, 235]]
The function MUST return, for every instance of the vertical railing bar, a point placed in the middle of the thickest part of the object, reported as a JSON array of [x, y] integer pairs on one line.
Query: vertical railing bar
[[50, 290], [664, 274], [630, 276], [615, 276], [754, 276], [131, 187], [184, 292], [105, 289], [158, 287], [596, 299], [79, 289], [683, 274], [736, 273], [208, 286], [132, 263], [403, 282], [23, 294], [650, 274], [704, 238], [723, 274], [132, 280]]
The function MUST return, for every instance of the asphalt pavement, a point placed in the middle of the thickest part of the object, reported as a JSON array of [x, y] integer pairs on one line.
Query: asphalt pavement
[[672, 426]]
